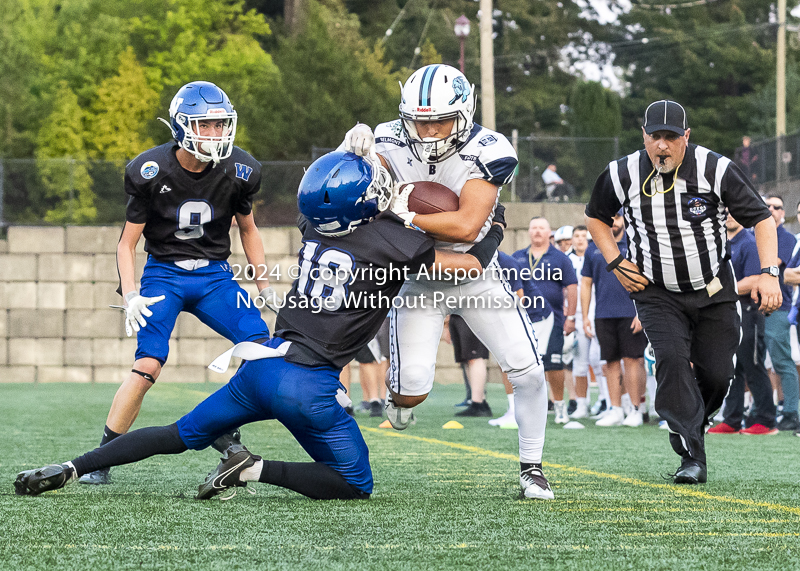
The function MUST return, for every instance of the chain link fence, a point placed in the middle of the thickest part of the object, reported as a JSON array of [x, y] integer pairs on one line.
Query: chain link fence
[[68, 191]]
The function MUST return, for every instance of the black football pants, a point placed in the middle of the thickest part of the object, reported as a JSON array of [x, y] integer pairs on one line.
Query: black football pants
[[688, 329]]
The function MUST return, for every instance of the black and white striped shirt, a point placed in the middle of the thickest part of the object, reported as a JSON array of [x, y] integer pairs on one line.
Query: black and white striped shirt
[[677, 238]]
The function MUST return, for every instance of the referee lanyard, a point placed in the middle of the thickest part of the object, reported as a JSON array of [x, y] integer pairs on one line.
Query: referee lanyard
[[644, 184]]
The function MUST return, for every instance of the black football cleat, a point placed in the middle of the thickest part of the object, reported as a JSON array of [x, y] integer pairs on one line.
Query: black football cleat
[[691, 472], [97, 478], [226, 475], [476, 409], [50, 477]]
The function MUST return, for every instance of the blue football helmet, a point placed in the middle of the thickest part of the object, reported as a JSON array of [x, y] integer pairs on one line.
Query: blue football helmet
[[341, 191], [196, 102]]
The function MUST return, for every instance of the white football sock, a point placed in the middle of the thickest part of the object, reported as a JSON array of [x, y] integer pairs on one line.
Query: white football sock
[[253, 473], [530, 412]]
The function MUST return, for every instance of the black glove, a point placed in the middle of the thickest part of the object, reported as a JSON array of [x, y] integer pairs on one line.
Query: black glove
[[485, 249], [500, 215]]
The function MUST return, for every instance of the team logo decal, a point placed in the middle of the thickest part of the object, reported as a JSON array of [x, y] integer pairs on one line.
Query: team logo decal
[[487, 140], [697, 207], [149, 169], [461, 89], [243, 171], [396, 127]]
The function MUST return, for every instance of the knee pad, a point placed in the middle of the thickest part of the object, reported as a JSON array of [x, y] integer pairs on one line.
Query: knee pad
[[413, 380], [531, 377]]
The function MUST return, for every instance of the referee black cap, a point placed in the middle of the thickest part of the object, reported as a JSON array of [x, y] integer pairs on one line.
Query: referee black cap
[[665, 116]]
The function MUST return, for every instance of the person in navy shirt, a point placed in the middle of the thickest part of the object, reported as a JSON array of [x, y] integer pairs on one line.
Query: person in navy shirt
[[752, 348], [552, 271], [777, 324], [539, 312], [618, 331]]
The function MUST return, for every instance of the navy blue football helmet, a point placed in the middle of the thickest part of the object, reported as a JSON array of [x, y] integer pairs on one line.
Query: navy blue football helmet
[[202, 101], [341, 191]]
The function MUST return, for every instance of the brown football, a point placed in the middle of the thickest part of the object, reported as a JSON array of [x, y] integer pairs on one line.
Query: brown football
[[431, 198]]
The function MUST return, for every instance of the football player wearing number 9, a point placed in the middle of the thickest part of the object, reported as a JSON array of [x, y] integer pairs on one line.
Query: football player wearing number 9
[[182, 197], [331, 313], [437, 140]]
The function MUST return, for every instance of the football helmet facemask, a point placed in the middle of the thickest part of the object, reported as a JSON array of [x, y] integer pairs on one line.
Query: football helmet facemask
[[194, 103], [341, 191], [437, 93]]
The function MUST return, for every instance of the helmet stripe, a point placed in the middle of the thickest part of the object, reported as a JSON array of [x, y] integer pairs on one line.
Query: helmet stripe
[[426, 85]]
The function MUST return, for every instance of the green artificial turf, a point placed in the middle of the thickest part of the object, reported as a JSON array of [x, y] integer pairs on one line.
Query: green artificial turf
[[444, 499]]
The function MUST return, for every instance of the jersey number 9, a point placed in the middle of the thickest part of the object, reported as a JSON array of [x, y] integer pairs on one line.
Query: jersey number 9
[[192, 214]]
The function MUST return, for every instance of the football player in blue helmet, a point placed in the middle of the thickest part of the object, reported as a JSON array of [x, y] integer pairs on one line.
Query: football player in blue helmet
[[294, 377], [202, 120], [184, 207], [339, 193]]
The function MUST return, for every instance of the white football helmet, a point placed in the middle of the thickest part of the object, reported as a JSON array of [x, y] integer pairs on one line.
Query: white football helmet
[[437, 93]]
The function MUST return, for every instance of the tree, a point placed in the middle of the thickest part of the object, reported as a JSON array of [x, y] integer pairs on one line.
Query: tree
[[61, 161]]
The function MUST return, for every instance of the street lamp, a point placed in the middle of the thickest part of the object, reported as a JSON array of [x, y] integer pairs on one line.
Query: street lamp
[[462, 31]]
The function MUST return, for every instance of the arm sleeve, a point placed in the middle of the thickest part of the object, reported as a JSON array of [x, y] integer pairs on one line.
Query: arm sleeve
[[603, 203], [741, 198]]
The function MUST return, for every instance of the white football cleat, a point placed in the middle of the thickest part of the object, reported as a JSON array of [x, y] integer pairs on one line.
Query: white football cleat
[[634, 419], [582, 411], [613, 417], [535, 485], [400, 418], [627, 405], [560, 409], [508, 417]]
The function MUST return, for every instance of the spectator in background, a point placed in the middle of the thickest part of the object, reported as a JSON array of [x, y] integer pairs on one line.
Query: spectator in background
[[777, 324], [746, 158], [752, 347], [540, 314], [587, 350], [553, 273], [563, 239], [554, 186], [618, 331]]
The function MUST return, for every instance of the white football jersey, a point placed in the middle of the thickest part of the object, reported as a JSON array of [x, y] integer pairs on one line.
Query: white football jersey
[[577, 263], [486, 155]]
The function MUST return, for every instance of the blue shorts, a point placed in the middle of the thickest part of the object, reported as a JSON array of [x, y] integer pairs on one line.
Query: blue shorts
[[555, 345], [303, 399], [208, 293]]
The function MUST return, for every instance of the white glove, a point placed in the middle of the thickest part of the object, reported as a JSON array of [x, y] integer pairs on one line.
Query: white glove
[[270, 299], [360, 140], [400, 206], [136, 311]]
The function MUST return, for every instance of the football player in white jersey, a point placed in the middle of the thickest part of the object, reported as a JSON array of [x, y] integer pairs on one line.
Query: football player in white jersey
[[588, 350], [435, 139]]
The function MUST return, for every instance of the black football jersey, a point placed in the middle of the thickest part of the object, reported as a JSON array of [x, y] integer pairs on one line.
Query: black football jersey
[[187, 216], [346, 287]]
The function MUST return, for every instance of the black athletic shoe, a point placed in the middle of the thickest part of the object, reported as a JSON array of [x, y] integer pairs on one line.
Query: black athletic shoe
[[550, 406], [476, 409], [97, 478], [51, 477], [691, 472], [227, 440], [572, 406], [790, 421], [226, 474], [349, 410], [375, 409]]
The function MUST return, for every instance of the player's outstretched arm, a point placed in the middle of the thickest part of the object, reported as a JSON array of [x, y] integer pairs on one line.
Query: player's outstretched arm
[[475, 204]]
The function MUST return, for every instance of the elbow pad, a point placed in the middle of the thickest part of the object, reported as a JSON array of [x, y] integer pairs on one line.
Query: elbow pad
[[485, 249]]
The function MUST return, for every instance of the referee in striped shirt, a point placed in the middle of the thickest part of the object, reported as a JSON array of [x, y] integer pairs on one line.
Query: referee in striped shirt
[[674, 196]]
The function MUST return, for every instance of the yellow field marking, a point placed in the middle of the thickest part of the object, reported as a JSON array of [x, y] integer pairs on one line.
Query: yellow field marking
[[678, 490]]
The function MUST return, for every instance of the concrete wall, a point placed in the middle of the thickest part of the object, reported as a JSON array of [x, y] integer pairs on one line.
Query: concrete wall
[[56, 285]]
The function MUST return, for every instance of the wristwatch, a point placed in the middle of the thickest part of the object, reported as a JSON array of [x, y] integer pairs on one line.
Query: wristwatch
[[771, 270]]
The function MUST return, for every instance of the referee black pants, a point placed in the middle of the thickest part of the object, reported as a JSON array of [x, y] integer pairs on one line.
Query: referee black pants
[[688, 329]]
